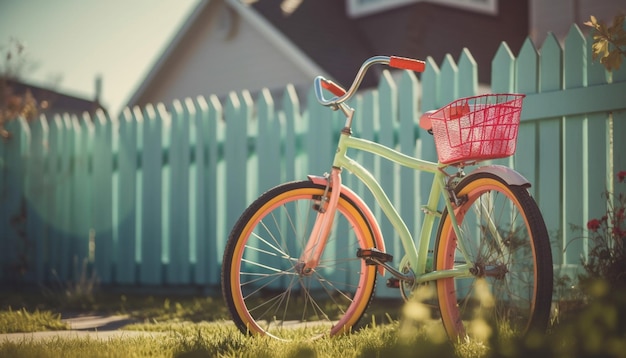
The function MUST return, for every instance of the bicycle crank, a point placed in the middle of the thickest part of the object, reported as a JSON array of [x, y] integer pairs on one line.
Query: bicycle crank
[[374, 256]]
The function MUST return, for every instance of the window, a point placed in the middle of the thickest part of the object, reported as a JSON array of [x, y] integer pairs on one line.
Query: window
[[358, 8]]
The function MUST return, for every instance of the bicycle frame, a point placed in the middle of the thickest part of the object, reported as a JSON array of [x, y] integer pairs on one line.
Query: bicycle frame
[[416, 255]]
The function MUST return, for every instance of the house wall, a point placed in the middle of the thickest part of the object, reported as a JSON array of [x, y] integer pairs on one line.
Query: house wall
[[216, 57], [556, 16], [427, 29], [415, 30]]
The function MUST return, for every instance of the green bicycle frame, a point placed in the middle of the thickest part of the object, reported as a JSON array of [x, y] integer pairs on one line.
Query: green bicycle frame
[[416, 256]]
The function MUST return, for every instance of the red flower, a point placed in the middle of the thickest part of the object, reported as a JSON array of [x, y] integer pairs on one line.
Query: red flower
[[618, 233], [593, 224], [621, 176]]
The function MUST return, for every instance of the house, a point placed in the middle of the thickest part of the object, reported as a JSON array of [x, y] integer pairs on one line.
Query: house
[[224, 46], [227, 45], [51, 102]]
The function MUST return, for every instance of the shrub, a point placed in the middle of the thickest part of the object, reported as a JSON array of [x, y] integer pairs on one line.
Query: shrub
[[607, 239]]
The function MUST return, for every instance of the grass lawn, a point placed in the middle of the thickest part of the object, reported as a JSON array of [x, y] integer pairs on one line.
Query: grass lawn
[[193, 326]]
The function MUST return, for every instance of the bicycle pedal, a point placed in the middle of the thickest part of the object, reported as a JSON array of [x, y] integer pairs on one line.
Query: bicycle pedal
[[393, 283], [373, 256]]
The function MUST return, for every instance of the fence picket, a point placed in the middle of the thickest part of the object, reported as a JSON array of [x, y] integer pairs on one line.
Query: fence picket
[[387, 172], [125, 214], [199, 186], [210, 246], [503, 70], [102, 206], [69, 259], [150, 272], [178, 266], [619, 151], [408, 132], [38, 198], [526, 75], [236, 155], [12, 201], [549, 179], [292, 122], [449, 81], [319, 135], [366, 126], [81, 197], [574, 149], [468, 75], [54, 175], [431, 100], [268, 141]]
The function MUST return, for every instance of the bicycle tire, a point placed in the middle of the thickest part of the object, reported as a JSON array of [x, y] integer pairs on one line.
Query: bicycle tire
[[516, 264], [260, 283]]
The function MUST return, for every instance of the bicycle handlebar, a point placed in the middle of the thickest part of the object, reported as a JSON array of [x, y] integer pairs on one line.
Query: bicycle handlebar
[[341, 95]]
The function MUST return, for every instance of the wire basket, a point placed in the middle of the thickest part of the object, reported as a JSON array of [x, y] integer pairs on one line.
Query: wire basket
[[477, 128]]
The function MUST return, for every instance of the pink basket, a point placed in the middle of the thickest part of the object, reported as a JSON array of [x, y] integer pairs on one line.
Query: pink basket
[[477, 128]]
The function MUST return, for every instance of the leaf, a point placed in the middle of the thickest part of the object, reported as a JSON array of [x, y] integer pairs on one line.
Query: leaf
[[600, 48]]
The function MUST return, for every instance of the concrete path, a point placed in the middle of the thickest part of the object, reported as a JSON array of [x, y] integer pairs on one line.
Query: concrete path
[[95, 327]]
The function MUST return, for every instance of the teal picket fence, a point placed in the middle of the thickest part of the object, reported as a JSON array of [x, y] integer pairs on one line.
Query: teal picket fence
[[148, 198]]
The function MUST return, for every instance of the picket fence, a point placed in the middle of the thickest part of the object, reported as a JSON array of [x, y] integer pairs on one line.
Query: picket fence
[[148, 198]]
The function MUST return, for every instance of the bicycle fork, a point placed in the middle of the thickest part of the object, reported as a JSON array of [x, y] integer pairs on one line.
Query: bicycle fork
[[319, 235]]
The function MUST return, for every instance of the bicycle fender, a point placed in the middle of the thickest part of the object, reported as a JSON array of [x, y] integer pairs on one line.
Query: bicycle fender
[[509, 175], [369, 216]]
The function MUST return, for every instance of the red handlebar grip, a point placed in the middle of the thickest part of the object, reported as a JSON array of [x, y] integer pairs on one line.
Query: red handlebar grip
[[333, 88], [407, 64]]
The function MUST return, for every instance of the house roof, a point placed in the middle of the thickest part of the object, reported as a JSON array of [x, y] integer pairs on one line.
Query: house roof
[[52, 102], [339, 44]]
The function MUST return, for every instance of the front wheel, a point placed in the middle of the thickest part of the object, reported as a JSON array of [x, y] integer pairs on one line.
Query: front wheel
[[507, 251], [262, 284]]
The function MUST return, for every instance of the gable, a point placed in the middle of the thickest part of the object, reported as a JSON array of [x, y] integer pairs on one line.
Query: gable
[[223, 49]]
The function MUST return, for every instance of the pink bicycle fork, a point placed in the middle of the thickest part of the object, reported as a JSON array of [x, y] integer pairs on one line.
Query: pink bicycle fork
[[314, 248]]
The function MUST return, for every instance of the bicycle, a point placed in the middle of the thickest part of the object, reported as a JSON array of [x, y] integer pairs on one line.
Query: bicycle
[[302, 259]]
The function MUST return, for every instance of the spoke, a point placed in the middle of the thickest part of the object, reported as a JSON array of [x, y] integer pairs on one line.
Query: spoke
[[266, 267], [277, 224], [298, 218], [260, 288], [267, 242], [262, 277], [315, 306], [465, 301], [272, 302], [334, 288], [281, 254], [483, 211]]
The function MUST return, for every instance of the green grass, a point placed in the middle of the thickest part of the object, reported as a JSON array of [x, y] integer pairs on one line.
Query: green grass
[[21, 320], [223, 340], [197, 327]]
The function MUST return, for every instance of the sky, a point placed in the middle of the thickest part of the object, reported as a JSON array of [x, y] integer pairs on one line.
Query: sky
[[71, 42]]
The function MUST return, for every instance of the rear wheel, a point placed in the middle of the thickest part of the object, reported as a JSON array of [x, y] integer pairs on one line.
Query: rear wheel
[[508, 252], [265, 290]]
